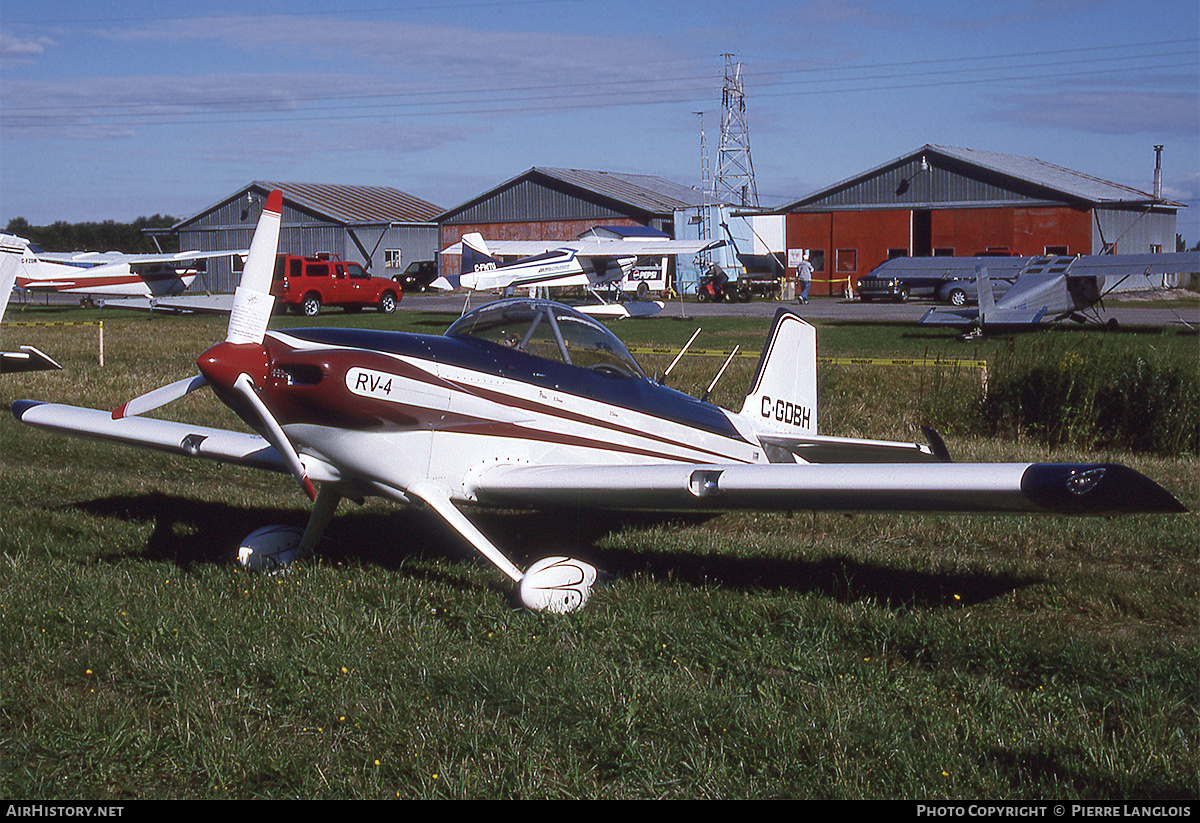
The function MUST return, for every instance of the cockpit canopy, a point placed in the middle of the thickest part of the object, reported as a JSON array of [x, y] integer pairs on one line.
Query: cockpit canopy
[[549, 330]]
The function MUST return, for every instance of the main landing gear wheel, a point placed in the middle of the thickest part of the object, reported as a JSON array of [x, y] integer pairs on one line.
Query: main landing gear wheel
[[557, 584], [270, 549]]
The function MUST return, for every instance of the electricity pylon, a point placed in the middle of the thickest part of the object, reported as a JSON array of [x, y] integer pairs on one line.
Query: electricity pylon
[[734, 180]]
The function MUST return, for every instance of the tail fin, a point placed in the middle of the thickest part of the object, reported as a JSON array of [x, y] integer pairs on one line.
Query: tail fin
[[983, 284], [783, 395], [476, 260]]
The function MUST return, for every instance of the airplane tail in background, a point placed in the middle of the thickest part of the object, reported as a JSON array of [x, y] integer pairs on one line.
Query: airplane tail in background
[[783, 396], [983, 283], [475, 259], [477, 262], [475, 254]]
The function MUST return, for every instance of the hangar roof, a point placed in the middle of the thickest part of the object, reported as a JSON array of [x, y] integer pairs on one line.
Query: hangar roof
[[345, 204], [643, 193], [358, 204], [1012, 172]]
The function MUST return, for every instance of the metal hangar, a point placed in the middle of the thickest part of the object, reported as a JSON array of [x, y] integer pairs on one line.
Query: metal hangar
[[945, 201], [382, 228], [562, 204]]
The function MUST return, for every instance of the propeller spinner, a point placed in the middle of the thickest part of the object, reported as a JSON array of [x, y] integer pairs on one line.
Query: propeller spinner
[[237, 367]]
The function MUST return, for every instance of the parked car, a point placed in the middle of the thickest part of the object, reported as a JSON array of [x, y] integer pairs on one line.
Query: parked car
[[417, 276], [305, 284], [948, 279], [961, 291], [888, 283]]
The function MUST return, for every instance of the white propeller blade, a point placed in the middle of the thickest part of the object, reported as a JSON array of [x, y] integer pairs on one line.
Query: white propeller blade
[[252, 300], [275, 434], [159, 397]]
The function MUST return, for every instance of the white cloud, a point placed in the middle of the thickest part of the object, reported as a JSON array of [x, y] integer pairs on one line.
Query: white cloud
[[1110, 113], [22, 49]]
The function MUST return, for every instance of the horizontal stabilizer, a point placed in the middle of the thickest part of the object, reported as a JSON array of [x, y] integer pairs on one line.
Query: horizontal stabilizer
[[622, 311], [27, 359], [950, 317], [817, 449]]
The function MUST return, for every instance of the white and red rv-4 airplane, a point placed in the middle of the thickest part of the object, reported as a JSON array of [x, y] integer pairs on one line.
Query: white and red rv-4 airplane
[[528, 403]]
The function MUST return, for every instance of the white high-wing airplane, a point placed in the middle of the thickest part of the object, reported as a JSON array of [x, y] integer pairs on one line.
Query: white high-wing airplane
[[591, 263], [111, 274], [28, 358], [1047, 289], [527, 403]]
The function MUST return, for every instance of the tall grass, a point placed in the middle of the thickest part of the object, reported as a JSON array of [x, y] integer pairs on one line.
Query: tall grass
[[1099, 399]]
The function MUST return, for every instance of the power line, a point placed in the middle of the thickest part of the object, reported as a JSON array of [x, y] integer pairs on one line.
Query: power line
[[586, 94]]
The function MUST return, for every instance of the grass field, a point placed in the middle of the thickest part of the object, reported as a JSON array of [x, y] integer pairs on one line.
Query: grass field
[[738, 656]]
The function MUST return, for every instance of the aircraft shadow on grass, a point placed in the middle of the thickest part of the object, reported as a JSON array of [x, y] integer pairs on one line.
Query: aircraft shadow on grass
[[188, 532]]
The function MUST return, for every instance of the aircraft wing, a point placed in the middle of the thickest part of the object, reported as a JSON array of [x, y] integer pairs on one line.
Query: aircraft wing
[[222, 445], [922, 487], [950, 267], [1114, 267], [93, 258], [594, 248]]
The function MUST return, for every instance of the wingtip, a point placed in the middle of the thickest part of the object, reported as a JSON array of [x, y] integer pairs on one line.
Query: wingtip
[[1106, 488], [19, 407], [274, 202], [119, 411]]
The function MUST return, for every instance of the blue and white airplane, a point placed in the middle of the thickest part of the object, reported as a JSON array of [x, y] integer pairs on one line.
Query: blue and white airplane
[[593, 264]]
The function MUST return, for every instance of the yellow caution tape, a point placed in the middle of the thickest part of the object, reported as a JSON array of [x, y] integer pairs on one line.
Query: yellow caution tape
[[838, 361], [60, 323]]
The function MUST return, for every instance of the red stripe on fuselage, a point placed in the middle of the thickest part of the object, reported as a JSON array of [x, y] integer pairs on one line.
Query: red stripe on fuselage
[[296, 396]]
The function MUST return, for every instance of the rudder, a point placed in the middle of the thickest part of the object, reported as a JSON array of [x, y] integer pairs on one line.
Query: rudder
[[783, 395]]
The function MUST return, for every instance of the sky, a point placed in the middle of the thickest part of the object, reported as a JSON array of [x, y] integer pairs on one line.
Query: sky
[[115, 110]]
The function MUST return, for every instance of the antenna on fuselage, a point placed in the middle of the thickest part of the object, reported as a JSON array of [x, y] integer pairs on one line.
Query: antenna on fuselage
[[679, 356], [712, 385]]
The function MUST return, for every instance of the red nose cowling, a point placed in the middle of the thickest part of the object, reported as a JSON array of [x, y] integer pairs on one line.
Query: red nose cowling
[[222, 364]]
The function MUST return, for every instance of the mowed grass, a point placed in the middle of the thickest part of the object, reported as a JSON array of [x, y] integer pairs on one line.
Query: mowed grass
[[800, 655]]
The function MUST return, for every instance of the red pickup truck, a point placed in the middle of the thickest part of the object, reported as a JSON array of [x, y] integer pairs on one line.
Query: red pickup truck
[[305, 284]]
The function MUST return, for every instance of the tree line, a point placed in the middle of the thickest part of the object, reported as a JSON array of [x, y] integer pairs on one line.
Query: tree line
[[106, 236]]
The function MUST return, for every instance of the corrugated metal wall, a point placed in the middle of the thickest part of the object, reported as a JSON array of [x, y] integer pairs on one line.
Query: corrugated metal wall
[[529, 201], [231, 225], [909, 185], [1133, 232]]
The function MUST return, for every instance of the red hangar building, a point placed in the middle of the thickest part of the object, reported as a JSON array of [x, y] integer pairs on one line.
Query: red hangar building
[[943, 201]]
